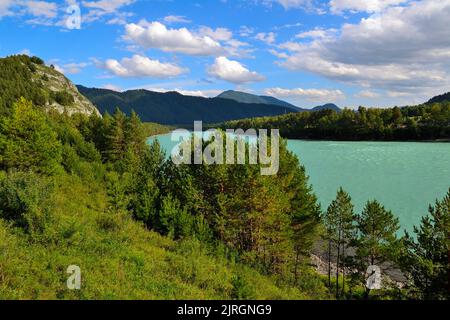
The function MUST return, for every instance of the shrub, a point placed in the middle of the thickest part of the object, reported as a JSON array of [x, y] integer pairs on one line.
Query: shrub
[[25, 201]]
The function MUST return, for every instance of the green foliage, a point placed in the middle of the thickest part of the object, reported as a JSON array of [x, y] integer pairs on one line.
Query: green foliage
[[63, 98], [426, 258], [27, 141], [37, 60], [424, 122], [340, 230], [376, 240], [74, 186], [16, 73], [25, 201]]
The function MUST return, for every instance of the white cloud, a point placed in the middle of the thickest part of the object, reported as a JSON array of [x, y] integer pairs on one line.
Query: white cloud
[[70, 67], [401, 49], [41, 8], [308, 94], [157, 35], [102, 8], [367, 94], [316, 33], [268, 38], [107, 6], [5, 6], [371, 6], [233, 71], [139, 66], [219, 34], [176, 19]]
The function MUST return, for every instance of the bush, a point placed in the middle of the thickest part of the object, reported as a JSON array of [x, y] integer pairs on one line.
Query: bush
[[63, 98], [25, 201], [37, 60]]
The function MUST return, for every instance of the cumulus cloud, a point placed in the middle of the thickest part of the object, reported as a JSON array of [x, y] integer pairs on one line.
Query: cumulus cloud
[[157, 35], [402, 49], [139, 66], [219, 34], [308, 94], [233, 71], [204, 41]]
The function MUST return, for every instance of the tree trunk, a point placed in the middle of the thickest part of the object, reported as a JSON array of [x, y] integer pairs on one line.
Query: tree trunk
[[337, 264], [329, 264], [343, 269], [296, 266]]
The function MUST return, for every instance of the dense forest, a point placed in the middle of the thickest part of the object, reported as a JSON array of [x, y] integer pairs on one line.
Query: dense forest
[[89, 191], [430, 121]]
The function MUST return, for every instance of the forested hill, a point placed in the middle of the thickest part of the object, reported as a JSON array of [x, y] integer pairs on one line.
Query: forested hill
[[173, 108], [430, 121], [245, 97], [441, 98], [29, 77]]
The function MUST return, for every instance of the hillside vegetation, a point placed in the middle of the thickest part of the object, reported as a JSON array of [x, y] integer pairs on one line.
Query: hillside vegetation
[[22, 76], [88, 191]]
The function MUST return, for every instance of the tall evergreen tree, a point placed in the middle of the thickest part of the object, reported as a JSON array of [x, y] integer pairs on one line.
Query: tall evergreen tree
[[376, 241], [339, 221], [426, 258]]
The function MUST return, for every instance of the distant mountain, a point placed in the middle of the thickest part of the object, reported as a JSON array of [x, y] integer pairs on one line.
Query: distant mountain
[[172, 108], [440, 98], [328, 106], [244, 97]]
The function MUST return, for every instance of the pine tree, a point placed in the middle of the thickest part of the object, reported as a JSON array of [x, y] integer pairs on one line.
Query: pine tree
[[116, 143], [376, 241], [339, 223], [27, 141], [426, 258]]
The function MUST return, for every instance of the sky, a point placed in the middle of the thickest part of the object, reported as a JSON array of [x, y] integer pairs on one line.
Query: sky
[[376, 53]]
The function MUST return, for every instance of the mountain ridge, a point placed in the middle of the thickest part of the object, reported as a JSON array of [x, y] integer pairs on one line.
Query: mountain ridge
[[173, 108], [245, 97]]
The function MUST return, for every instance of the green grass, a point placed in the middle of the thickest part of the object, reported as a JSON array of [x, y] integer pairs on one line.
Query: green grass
[[118, 257]]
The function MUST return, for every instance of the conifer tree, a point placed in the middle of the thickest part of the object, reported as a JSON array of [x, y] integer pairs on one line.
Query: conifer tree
[[376, 241], [426, 257], [339, 222]]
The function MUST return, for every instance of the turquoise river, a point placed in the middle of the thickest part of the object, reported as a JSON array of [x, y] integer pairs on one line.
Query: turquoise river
[[406, 177]]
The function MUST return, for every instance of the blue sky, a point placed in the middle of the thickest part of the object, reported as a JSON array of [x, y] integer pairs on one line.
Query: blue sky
[[350, 52]]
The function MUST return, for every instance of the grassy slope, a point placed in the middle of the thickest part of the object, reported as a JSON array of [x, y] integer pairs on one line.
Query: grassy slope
[[119, 258]]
